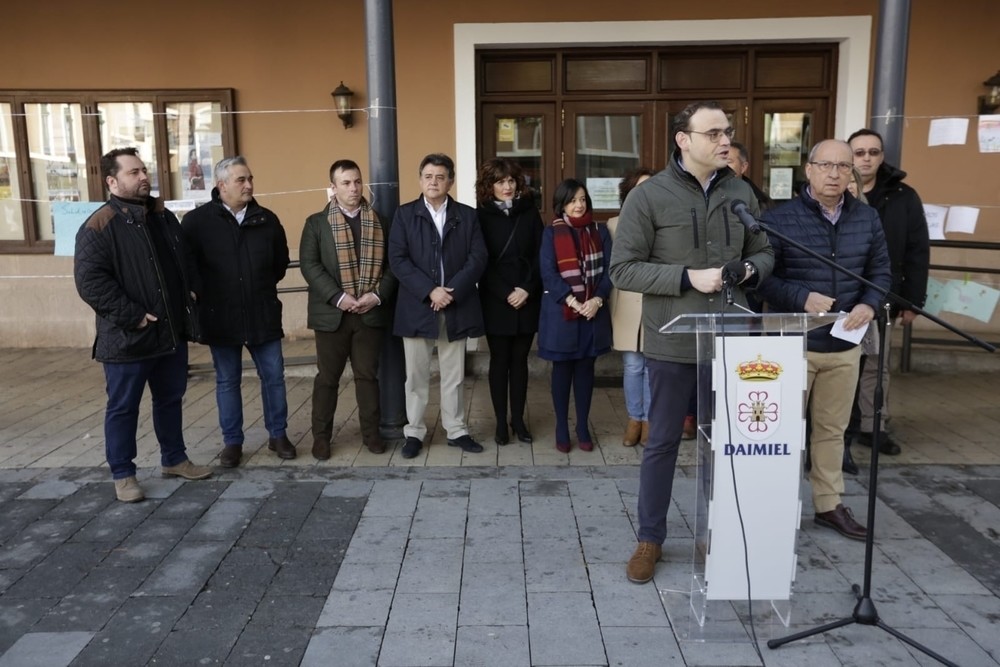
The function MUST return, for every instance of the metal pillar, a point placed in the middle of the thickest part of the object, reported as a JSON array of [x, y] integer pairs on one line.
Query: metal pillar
[[889, 85], [383, 179]]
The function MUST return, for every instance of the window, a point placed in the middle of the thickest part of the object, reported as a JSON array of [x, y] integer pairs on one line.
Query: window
[[51, 143]]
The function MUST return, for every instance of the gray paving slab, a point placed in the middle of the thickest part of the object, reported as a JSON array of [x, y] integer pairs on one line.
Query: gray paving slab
[[279, 632], [185, 570], [379, 539], [421, 631], [493, 594], [248, 489], [134, 633], [347, 645], [60, 571], [366, 576], [554, 565], [348, 488], [225, 520], [624, 606], [492, 646], [431, 566], [596, 497], [50, 490], [606, 538], [149, 542], [487, 550], [392, 498], [640, 646], [563, 630], [45, 649], [356, 608], [493, 497], [548, 516]]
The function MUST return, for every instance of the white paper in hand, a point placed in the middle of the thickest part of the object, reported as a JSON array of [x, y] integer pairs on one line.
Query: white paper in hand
[[851, 336]]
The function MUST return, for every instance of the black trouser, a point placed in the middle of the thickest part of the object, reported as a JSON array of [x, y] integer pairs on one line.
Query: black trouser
[[509, 372], [577, 374]]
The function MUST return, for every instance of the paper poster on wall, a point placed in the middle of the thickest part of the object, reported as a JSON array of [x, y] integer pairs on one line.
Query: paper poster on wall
[[962, 219], [935, 296], [945, 131], [935, 220], [781, 183], [603, 192], [69, 216], [972, 299], [989, 134]]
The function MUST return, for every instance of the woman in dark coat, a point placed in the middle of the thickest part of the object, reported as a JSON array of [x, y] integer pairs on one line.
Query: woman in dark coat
[[574, 327], [510, 289]]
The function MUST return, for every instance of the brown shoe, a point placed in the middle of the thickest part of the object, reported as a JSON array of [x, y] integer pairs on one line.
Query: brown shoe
[[841, 519], [690, 428], [642, 564], [632, 432], [282, 446], [644, 434], [231, 456], [321, 448], [187, 470], [375, 446], [128, 490]]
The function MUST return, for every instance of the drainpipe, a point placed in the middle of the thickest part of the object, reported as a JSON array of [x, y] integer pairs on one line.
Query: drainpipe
[[383, 180], [889, 86]]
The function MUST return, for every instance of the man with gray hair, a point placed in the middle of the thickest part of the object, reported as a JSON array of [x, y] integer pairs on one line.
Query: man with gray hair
[[240, 254]]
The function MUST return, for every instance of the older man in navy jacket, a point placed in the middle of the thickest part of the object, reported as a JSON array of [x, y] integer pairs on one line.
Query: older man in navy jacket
[[828, 220], [437, 252]]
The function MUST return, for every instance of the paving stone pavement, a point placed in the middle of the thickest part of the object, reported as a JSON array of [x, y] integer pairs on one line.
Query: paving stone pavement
[[488, 566], [515, 557]]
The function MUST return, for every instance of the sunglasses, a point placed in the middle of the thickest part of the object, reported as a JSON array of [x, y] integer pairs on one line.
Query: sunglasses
[[871, 152]]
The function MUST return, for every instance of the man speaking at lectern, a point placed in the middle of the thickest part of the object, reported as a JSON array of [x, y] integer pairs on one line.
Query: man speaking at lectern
[[677, 243], [828, 220]]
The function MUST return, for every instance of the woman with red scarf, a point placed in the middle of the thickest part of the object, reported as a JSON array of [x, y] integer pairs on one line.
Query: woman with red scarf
[[574, 327]]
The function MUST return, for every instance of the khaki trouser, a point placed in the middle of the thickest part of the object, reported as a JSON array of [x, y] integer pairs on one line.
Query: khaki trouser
[[451, 362], [866, 395], [831, 379]]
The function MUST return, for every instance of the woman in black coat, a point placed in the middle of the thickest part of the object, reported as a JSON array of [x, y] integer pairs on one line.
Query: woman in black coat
[[510, 289]]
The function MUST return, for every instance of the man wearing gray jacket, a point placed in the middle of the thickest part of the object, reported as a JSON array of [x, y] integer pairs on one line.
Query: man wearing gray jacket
[[676, 241]]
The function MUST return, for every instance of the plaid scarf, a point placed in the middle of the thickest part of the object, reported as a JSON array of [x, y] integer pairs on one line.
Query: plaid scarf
[[579, 257], [359, 273]]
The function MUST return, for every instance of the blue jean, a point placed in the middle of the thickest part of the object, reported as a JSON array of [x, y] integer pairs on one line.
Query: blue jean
[[635, 382], [671, 387], [167, 379], [228, 361]]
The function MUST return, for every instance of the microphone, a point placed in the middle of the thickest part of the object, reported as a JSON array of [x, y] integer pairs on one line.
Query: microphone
[[742, 212]]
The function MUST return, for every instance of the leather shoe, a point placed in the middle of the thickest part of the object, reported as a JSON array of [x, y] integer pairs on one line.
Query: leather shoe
[[522, 433], [231, 456], [375, 446], [321, 449], [502, 437], [841, 519], [411, 447], [885, 443], [186, 470], [466, 443], [282, 446]]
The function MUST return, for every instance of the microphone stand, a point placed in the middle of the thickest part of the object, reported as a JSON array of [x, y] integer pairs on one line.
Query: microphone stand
[[864, 612]]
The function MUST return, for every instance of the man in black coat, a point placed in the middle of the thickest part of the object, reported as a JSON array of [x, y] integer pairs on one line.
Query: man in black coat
[[240, 254], [131, 267], [906, 236]]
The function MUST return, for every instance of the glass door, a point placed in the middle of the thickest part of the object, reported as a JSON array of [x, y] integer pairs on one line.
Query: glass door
[[603, 140], [524, 133], [786, 130]]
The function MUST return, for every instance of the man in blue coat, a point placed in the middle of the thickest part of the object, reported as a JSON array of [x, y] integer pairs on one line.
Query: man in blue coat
[[828, 220], [437, 252]]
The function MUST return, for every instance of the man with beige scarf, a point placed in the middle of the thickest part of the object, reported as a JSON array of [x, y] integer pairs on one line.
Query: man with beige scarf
[[343, 258]]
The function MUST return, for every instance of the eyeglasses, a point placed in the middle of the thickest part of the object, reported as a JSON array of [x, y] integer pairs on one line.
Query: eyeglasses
[[826, 167], [871, 152], [714, 135]]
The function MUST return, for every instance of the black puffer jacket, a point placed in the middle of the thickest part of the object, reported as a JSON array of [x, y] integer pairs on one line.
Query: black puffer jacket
[[238, 268], [856, 243], [119, 275], [906, 236]]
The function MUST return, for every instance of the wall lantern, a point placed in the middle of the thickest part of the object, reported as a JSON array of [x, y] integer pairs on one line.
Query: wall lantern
[[342, 96], [990, 102]]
